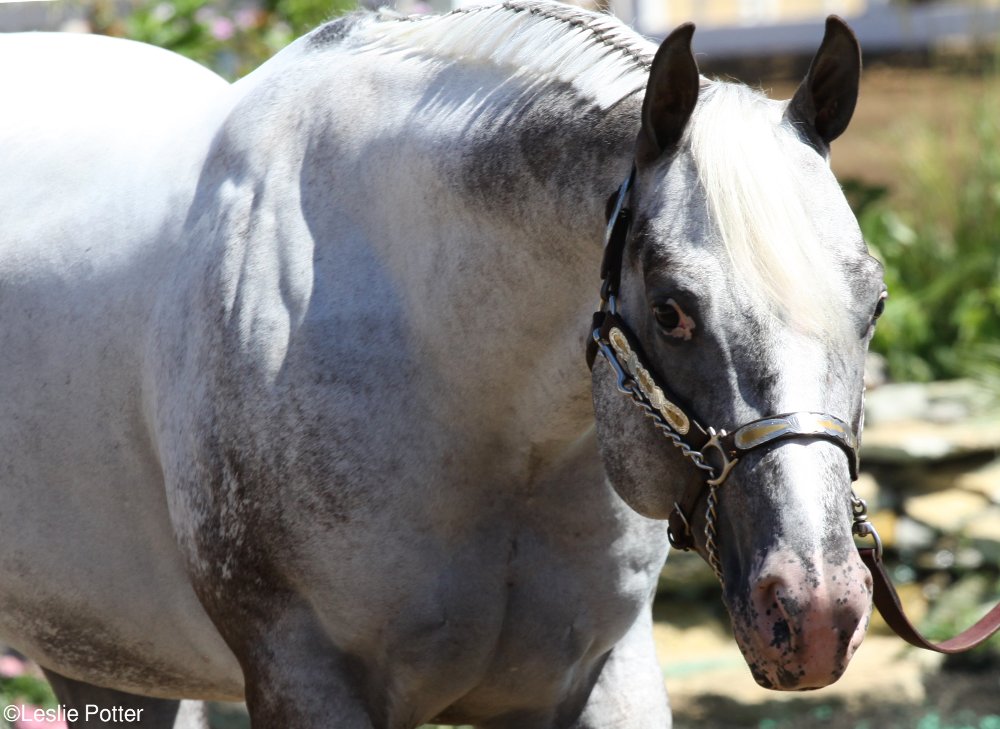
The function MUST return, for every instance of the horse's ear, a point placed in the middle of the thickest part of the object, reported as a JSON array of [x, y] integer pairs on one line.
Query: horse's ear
[[671, 93], [826, 98]]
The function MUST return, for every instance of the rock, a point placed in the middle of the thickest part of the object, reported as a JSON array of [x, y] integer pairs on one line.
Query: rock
[[974, 397], [867, 489], [914, 604], [942, 559], [886, 524], [984, 525], [940, 402], [946, 511], [876, 369], [910, 535], [969, 558], [889, 403], [916, 442], [983, 534], [985, 481]]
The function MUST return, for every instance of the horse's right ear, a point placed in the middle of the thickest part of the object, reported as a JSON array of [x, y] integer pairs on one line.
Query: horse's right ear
[[671, 94], [826, 98]]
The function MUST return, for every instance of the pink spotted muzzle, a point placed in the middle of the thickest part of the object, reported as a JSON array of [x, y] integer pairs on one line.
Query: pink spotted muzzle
[[800, 623]]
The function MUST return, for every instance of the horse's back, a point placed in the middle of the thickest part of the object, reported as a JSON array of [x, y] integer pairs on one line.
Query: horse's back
[[101, 141], [94, 84], [85, 117]]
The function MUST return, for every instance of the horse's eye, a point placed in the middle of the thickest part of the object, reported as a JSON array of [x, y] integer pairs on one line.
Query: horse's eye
[[880, 306], [668, 315], [672, 320]]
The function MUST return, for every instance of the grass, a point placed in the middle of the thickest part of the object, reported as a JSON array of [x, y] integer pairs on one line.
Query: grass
[[938, 235]]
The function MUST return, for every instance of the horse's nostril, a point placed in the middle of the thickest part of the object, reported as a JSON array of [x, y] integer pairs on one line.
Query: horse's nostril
[[775, 611], [869, 582]]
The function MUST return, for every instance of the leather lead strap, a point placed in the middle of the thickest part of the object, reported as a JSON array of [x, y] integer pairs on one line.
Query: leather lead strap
[[887, 601]]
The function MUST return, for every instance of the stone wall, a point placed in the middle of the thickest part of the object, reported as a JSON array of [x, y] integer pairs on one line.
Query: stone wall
[[931, 462]]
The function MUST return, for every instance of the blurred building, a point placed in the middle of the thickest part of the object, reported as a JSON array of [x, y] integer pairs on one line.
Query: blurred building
[[776, 27], [660, 15]]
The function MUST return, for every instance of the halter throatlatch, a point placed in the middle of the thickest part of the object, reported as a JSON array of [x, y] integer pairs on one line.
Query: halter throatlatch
[[714, 452]]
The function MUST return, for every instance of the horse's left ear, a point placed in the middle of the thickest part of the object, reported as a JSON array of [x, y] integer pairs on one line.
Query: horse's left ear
[[671, 95], [826, 98]]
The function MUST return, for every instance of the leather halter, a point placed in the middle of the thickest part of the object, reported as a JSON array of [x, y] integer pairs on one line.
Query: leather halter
[[715, 453]]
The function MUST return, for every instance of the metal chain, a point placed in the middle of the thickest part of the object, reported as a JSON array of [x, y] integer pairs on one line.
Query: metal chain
[[663, 426], [626, 384], [711, 536], [711, 513], [863, 528]]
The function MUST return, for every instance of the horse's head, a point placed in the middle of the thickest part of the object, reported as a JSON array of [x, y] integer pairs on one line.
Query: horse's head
[[746, 292]]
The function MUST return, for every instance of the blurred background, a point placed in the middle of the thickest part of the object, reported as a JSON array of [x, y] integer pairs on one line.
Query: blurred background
[[921, 167]]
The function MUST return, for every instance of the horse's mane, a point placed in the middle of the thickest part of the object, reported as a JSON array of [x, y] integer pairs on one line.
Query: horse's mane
[[599, 56], [736, 140]]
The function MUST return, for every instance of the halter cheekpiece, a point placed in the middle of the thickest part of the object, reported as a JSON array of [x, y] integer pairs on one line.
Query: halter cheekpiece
[[714, 452]]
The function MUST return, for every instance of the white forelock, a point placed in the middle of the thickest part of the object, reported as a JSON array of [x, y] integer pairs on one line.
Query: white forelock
[[601, 57], [751, 169]]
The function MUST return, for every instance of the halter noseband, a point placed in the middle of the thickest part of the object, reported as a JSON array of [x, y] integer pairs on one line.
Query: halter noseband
[[713, 452]]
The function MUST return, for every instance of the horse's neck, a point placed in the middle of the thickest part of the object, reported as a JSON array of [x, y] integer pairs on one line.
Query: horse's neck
[[496, 229], [453, 222]]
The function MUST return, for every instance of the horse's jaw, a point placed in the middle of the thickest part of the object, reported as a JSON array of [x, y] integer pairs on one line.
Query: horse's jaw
[[799, 622]]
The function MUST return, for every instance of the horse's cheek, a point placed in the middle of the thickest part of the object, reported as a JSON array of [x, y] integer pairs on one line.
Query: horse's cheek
[[630, 462]]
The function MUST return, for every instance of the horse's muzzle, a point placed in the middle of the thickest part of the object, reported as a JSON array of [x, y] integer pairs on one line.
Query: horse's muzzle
[[802, 621]]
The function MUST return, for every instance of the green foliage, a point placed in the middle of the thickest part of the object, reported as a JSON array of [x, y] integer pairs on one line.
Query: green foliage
[[963, 603], [232, 39], [26, 690], [939, 240], [935, 721]]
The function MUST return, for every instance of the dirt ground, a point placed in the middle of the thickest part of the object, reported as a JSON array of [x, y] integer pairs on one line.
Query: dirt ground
[[888, 685]]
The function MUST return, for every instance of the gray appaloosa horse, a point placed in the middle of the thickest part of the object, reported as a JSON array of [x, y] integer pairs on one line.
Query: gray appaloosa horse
[[293, 401]]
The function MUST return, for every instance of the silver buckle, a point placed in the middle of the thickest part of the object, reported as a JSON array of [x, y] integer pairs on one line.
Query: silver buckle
[[862, 528], [715, 441]]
